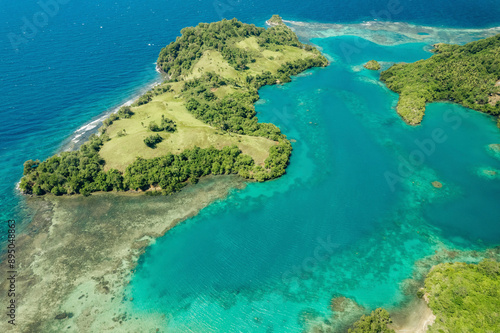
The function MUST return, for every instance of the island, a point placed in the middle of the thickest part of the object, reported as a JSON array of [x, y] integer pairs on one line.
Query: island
[[372, 65], [468, 75], [275, 20], [199, 122]]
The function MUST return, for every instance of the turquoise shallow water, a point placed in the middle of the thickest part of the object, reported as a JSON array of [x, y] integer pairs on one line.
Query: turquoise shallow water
[[270, 257]]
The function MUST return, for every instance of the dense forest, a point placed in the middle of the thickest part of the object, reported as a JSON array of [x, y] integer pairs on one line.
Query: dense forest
[[466, 74], [465, 297], [82, 171], [79, 171]]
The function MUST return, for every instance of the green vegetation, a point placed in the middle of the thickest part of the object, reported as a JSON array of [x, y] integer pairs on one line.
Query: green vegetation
[[202, 121], [82, 171], [125, 112], [234, 112], [119, 152], [177, 58], [166, 125], [468, 75], [170, 172], [71, 172], [148, 97], [152, 140], [376, 322], [465, 297], [275, 20], [372, 65]]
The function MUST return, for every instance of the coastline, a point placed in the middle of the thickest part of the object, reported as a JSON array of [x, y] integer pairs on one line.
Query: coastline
[[417, 319], [81, 135], [415, 314], [77, 269]]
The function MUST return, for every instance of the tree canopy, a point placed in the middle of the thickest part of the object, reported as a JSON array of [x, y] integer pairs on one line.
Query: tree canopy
[[376, 322], [465, 297]]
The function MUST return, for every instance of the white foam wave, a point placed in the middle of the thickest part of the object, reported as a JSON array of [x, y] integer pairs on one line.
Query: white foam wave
[[92, 126], [390, 33]]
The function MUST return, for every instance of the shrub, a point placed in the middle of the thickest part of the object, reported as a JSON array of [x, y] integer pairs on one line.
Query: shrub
[[152, 140], [125, 112], [376, 322]]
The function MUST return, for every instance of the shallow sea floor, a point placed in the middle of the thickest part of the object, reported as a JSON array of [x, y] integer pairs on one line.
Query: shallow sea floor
[[351, 217]]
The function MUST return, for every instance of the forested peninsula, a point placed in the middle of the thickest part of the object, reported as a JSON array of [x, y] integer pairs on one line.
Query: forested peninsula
[[200, 121], [468, 75]]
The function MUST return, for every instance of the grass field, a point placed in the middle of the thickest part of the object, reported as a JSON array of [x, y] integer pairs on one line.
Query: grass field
[[121, 151], [212, 61], [266, 60]]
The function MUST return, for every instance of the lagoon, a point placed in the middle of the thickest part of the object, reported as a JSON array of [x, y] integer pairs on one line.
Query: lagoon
[[272, 256]]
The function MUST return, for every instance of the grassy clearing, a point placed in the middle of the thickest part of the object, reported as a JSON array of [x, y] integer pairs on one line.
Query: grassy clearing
[[212, 61], [224, 91], [249, 43], [271, 60], [119, 152], [267, 60]]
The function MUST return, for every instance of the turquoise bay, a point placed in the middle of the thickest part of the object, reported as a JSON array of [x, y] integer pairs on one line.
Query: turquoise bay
[[270, 257]]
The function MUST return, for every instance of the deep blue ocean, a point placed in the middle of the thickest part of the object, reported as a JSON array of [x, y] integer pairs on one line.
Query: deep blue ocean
[[244, 263]]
